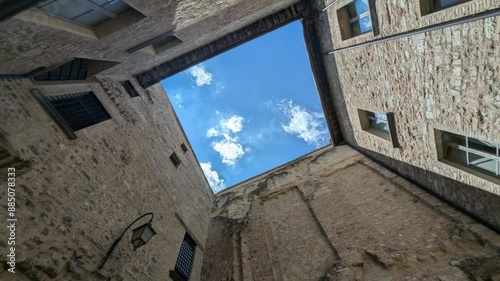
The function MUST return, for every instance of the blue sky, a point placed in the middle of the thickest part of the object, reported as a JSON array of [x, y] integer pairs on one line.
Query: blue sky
[[250, 109]]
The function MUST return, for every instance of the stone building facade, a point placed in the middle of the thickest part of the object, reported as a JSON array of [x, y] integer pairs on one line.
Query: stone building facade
[[357, 210], [433, 78], [78, 195], [336, 215]]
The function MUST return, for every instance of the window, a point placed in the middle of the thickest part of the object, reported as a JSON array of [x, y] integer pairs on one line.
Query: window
[[431, 6], [79, 110], [157, 44], [175, 159], [184, 147], [378, 124], [88, 13], [162, 46], [76, 69], [357, 18], [184, 264], [472, 155], [129, 88], [101, 16], [72, 112]]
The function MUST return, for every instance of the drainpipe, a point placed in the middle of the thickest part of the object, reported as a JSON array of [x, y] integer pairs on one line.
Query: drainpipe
[[471, 18], [328, 6]]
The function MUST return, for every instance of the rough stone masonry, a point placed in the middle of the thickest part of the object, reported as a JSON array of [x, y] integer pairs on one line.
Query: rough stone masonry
[[334, 214]]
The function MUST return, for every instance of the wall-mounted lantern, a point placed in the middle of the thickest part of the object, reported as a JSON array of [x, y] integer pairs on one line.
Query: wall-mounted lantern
[[140, 236]]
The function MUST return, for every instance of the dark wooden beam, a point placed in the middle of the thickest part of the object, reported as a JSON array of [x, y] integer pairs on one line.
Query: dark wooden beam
[[321, 78], [225, 43]]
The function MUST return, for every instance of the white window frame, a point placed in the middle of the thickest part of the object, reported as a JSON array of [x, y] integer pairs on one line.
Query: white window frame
[[346, 22], [442, 146]]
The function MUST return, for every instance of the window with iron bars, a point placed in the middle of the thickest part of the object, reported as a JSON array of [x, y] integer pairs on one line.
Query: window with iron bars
[[477, 156], [184, 264], [79, 110]]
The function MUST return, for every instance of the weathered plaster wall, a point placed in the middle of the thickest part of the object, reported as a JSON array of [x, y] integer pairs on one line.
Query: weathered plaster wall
[[336, 215], [78, 195], [27, 45], [445, 79]]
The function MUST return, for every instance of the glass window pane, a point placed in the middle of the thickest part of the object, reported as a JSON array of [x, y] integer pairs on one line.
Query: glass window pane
[[365, 24], [116, 6], [101, 2], [378, 121], [361, 6], [44, 3], [355, 29], [379, 126], [485, 164], [381, 117], [456, 155], [488, 147], [92, 19], [351, 10], [65, 9], [454, 138], [445, 3]]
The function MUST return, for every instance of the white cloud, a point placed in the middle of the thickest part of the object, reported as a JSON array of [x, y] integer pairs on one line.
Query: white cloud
[[217, 184], [201, 75], [228, 146], [219, 88], [229, 149], [269, 104], [212, 132], [306, 125], [233, 124], [178, 100]]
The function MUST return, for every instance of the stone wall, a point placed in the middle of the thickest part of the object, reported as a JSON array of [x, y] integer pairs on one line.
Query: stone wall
[[29, 44], [396, 17], [78, 195], [446, 79], [336, 215]]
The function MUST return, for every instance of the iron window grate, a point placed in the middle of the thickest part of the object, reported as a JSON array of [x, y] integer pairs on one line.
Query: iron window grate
[[77, 69], [129, 88], [185, 260], [79, 110]]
